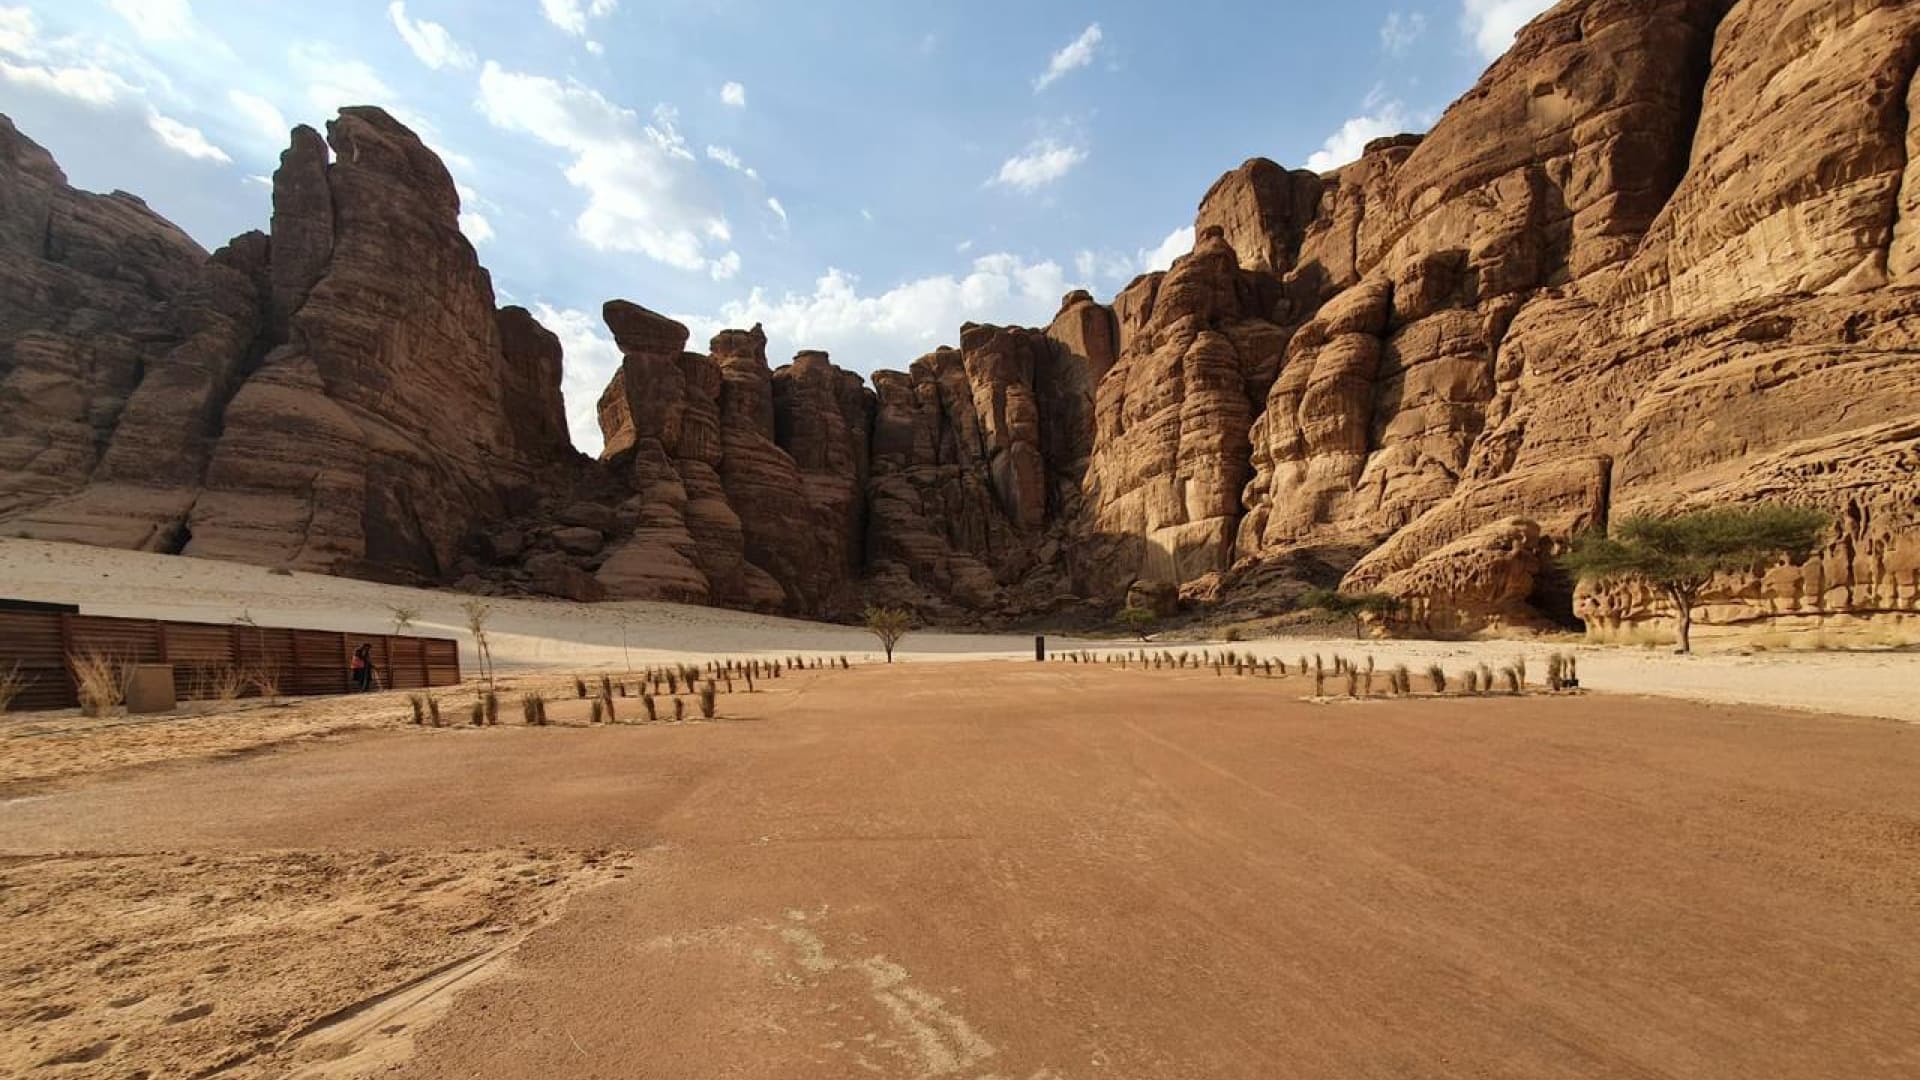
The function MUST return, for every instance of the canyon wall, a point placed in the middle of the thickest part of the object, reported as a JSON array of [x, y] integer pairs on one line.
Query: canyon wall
[[1665, 253], [286, 400]]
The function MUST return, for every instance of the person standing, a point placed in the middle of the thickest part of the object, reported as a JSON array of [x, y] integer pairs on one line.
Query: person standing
[[363, 668]]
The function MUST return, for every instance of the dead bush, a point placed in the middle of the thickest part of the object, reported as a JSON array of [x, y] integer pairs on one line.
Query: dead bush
[[12, 685], [99, 680]]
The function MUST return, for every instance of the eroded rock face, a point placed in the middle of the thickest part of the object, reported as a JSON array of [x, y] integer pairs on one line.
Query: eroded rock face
[[748, 484], [87, 284], [1666, 253], [1591, 290], [337, 397], [1198, 351], [977, 461]]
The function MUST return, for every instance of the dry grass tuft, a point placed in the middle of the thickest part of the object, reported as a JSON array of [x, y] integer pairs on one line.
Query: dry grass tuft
[[1402, 680], [1471, 681], [646, 702], [1512, 675], [433, 710], [1520, 672], [1437, 676], [491, 701], [99, 680], [419, 703], [706, 700], [478, 715], [216, 682], [593, 711], [679, 710], [1353, 682], [1556, 672], [12, 684], [579, 687]]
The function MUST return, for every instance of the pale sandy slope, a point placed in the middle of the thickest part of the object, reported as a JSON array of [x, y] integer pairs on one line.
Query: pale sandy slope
[[553, 633]]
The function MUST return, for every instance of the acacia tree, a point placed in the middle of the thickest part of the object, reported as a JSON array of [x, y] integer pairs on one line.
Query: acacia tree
[[889, 625], [1138, 621], [1678, 554], [1355, 606]]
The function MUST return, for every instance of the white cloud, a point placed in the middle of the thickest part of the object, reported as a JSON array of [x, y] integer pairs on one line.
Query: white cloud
[[61, 67], [572, 15], [185, 139], [1345, 145], [263, 181], [17, 31], [1091, 267], [1043, 162], [1492, 24], [892, 328], [1077, 53], [734, 94], [963, 247], [1178, 242], [643, 195], [731, 160], [333, 81], [86, 84], [589, 360], [773, 204], [260, 114], [596, 48], [725, 267], [158, 20], [429, 41], [866, 213], [1402, 31], [476, 227]]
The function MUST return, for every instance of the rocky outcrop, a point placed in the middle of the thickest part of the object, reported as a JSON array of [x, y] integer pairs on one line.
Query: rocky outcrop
[[1198, 351], [87, 284], [1665, 253], [1593, 289], [341, 396], [748, 484], [978, 455]]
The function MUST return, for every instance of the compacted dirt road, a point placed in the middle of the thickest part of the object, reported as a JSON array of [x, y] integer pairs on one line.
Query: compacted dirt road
[[1015, 871]]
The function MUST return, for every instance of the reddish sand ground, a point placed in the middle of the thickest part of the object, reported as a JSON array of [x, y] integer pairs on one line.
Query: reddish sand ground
[[990, 870]]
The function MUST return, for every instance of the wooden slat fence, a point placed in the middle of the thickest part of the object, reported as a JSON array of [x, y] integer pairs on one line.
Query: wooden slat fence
[[306, 662]]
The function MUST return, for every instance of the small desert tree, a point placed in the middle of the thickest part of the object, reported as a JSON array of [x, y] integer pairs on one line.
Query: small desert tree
[[1678, 554], [403, 617], [1138, 621], [889, 625], [1355, 606], [477, 615]]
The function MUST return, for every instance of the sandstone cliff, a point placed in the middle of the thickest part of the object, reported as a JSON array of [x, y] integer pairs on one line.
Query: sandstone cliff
[[1659, 256], [1664, 253], [341, 395]]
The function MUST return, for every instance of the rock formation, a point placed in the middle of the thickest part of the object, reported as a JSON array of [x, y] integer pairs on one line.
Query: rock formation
[[1596, 288], [340, 396], [1664, 253]]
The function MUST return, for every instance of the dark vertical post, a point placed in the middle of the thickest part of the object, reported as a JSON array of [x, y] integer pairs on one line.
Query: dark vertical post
[[1040, 647], [66, 656]]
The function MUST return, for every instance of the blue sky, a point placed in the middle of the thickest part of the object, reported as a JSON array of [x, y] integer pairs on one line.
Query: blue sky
[[860, 177]]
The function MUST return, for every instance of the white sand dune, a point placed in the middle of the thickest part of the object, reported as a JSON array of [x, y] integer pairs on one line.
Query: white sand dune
[[530, 633]]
